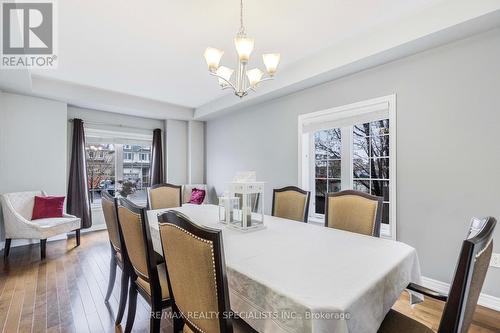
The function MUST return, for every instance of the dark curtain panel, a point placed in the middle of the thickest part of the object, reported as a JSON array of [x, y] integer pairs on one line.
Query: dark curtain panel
[[78, 203], [156, 172]]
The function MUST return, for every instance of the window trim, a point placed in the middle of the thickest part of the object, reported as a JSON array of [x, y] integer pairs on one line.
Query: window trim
[[340, 113]]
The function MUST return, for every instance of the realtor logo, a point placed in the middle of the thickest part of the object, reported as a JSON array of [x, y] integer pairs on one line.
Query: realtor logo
[[28, 35]]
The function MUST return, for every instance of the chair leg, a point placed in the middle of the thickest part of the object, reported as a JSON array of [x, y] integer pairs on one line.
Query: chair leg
[[132, 304], [43, 247], [77, 231], [154, 322], [123, 298], [6, 249], [112, 275]]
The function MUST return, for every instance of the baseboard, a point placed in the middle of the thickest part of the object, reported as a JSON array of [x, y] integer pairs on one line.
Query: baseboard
[[485, 300], [22, 242]]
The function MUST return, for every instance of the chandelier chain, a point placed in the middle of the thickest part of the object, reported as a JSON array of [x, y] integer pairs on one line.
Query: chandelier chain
[[242, 27]]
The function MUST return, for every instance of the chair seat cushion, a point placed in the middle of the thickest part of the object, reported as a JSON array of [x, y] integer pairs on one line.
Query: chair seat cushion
[[162, 275], [396, 322], [55, 226]]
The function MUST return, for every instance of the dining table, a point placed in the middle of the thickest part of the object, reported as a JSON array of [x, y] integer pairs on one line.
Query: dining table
[[303, 277]]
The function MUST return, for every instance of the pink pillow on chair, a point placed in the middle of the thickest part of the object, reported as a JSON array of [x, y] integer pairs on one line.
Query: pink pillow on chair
[[47, 207], [197, 196]]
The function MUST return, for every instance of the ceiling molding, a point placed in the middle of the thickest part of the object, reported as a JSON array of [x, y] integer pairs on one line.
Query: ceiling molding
[[99, 99], [446, 22]]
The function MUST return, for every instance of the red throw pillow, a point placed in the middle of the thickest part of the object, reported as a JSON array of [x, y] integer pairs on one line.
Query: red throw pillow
[[197, 196], [48, 207]]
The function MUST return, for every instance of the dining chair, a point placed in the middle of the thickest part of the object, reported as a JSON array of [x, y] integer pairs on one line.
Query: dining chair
[[109, 205], [197, 276], [291, 203], [465, 289], [354, 211], [147, 277], [162, 196]]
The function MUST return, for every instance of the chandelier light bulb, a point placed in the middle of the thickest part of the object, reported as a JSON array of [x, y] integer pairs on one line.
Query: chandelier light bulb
[[271, 61], [212, 57]]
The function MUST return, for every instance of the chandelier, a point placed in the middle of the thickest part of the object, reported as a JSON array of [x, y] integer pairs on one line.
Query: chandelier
[[245, 80]]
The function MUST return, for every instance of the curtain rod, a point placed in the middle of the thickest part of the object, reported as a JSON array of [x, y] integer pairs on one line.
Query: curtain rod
[[114, 125]]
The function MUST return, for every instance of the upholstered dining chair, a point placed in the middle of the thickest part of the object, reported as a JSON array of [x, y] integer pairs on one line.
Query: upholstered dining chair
[[465, 289], [163, 196], [354, 211], [197, 275], [147, 277], [292, 203], [109, 206]]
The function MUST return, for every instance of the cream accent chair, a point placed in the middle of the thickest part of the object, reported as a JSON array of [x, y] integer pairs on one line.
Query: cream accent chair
[[354, 211], [197, 276], [188, 188], [291, 203], [162, 196], [17, 212]]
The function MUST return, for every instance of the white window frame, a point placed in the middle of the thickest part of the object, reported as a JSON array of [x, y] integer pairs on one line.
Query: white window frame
[[338, 114]]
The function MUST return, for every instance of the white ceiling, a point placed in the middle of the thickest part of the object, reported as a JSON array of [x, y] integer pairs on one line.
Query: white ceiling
[[153, 48]]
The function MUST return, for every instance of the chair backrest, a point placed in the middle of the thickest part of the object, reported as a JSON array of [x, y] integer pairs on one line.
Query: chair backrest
[[109, 204], [196, 272], [162, 196], [354, 211], [23, 202], [469, 277], [291, 203], [137, 244]]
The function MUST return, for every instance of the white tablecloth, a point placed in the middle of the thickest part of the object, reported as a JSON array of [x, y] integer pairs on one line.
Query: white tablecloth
[[298, 277]]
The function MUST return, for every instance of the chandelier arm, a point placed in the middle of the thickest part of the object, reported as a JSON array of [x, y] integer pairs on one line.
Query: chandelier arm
[[222, 78]]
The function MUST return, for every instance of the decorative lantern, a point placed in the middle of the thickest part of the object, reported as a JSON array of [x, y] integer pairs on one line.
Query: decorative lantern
[[250, 215], [227, 208]]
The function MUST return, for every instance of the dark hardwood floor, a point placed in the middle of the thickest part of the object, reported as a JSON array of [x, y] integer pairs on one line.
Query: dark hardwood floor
[[65, 293]]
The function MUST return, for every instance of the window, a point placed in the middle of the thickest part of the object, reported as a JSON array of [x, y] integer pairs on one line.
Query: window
[[116, 167], [350, 147]]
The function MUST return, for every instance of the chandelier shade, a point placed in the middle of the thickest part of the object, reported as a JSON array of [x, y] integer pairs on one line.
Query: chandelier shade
[[254, 76], [244, 47], [244, 80], [212, 57], [224, 73], [271, 61]]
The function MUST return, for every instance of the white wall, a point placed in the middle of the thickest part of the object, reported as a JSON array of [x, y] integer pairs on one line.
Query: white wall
[[196, 152], [448, 156], [177, 151], [32, 145]]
